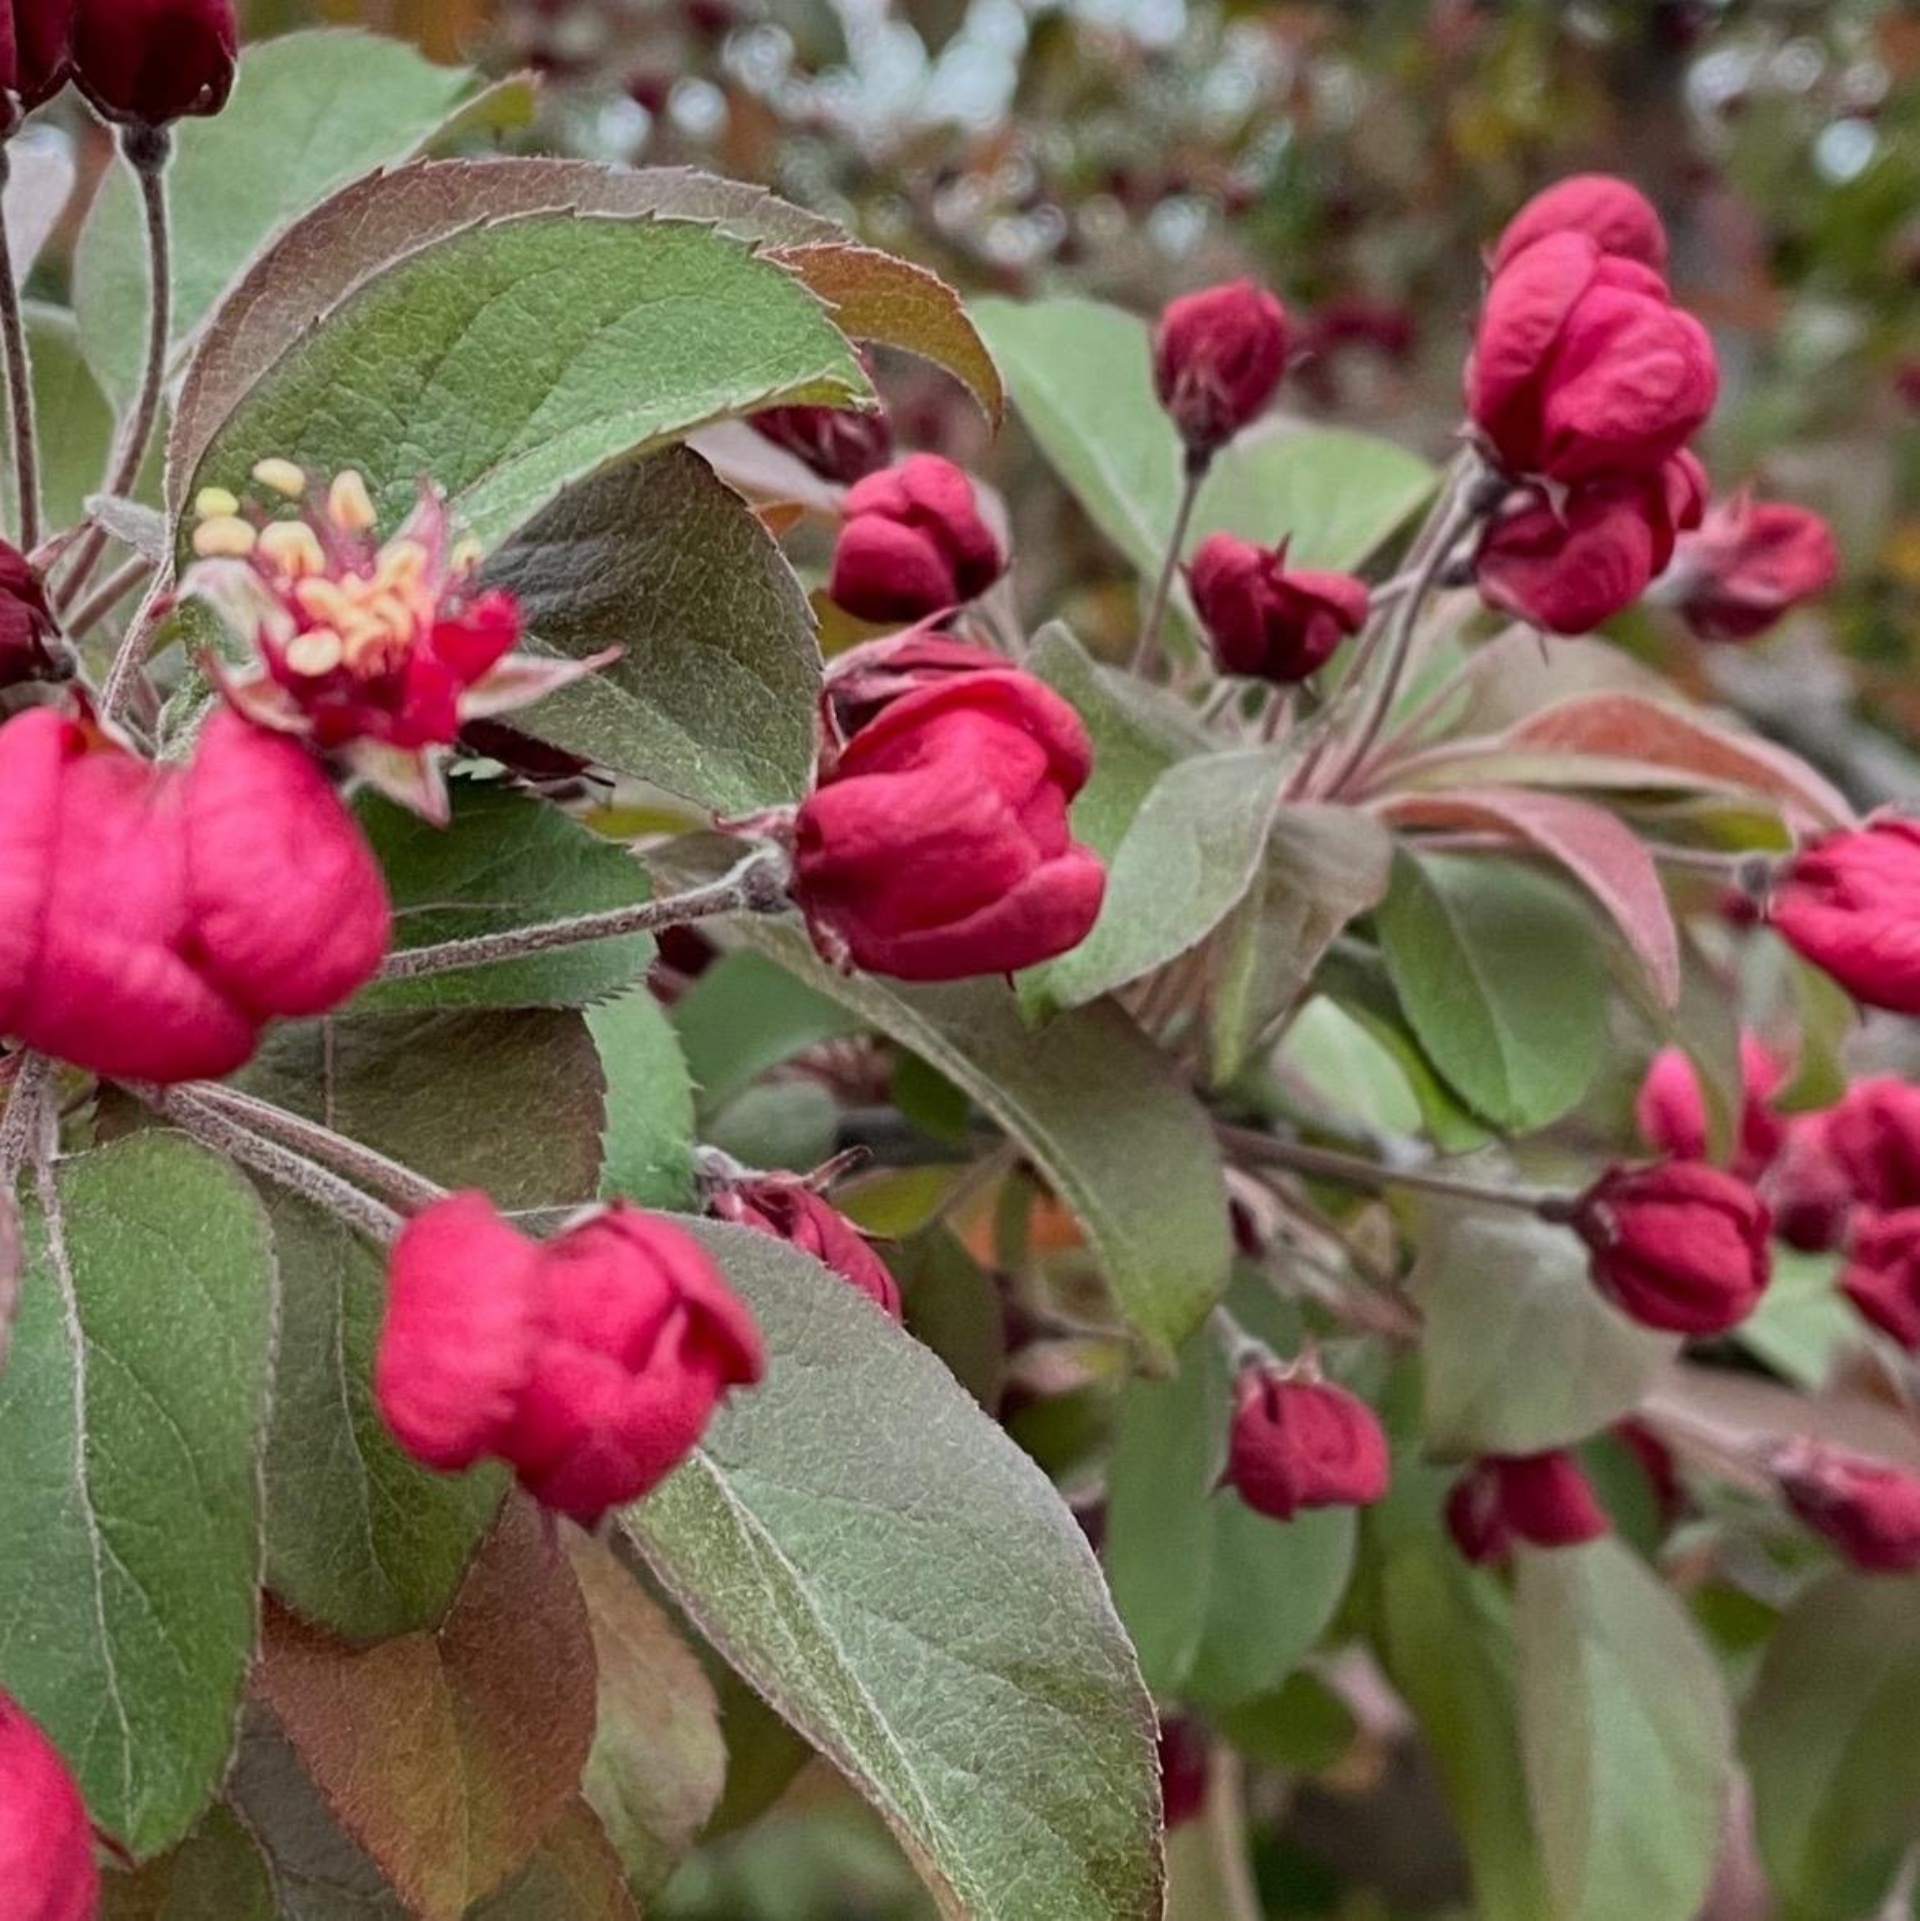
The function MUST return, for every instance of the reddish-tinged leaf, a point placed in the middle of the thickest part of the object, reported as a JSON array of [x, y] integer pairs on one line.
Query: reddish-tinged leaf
[[1598, 850], [449, 1757], [1627, 727], [576, 1876]]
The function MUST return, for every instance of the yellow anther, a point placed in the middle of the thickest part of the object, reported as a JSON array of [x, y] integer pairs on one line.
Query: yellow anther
[[318, 651], [402, 564], [349, 505], [323, 600], [466, 556], [282, 476], [225, 537], [393, 614], [293, 547], [215, 503]]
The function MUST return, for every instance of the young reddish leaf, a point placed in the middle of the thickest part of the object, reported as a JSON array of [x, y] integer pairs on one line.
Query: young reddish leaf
[[449, 1757], [576, 1876], [1597, 849], [1628, 727]]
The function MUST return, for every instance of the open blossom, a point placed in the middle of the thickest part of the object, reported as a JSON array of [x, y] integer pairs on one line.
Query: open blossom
[[1298, 1443], [1749, 563], [1850, 903], [379, 653], [1266, 621], [1615, 215], [47, 1869], [590, 1363]]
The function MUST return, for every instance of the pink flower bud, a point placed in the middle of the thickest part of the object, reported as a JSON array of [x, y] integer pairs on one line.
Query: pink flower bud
[[1268, 623], [1542, 1499], [838, 444], [1616, 217], [789, 1210], [1679, 1245], [867, 678], [939, 847], [1873, 1133], [1866, 1509], [1568, 567], [1671, 1111], [1807, 1189], [590, 1363], [35, 48], [1583, 365], [152, 61], [1748, 564], [154, 918], [1882, 1275], [1296, 1444], [1218, 356], [913, 543], [1849, 903], [47, 1869], [26, 621]]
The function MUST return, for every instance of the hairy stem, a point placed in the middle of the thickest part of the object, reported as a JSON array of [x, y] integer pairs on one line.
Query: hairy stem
[[13, 331], [23, 1133], [757, 885], [108, 595], [1323, 1163], [1195, 474], [1226, 1827]]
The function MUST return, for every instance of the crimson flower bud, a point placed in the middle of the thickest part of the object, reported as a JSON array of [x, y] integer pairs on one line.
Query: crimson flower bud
[[1848, 903], [47, 1869], [26, 621], [148, 62], [1217, 360], [1542, 1499], [1616, 217], [1882, 1275], [838, 444], [1807, 1188], [938, 846], [913, 543], [1183, 1771], [154, 918], [1868, 1510], [864, 679], [1583, 365], [35, 47], [1748, 564], [789, 1210], [1262, 620], [1296, 1444], [1873, 1132], [1566, 567], [1680, 1245], [1671, 1111], [590, 1363]]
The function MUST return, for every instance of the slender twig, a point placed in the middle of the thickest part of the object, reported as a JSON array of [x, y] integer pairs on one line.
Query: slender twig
[[1226, 1829], [108, 595], [292, 1171], [1193, 476], [1322, 1163], [22, 1134], [13, 331], [757, 885], [368, 1167], [146, 150]]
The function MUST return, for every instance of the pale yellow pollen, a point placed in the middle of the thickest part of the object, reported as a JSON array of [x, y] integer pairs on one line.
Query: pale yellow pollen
[[349, 505], [466, 556], [224, 537], [293, 547], [322, 600], [215, 503], [402, 564], [317, 651], [282, 476]]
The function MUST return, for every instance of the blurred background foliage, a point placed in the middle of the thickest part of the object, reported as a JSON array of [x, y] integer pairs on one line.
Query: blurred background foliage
[[1356, 157]]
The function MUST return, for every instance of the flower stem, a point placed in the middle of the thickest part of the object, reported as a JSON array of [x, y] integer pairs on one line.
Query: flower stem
[[1323, 1163], [146, 150], [1194, 476], [757, 885], [13, 331], [108, 595], [23, 1134]]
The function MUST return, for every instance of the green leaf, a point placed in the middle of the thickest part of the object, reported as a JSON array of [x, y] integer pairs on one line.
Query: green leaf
[[1097, 1107], [509, 360], [1803, 1324], [882, 1563], [216, 1871], [659, 1760], [505, 861], [1625, 1732], [713, 696], [132, 1414], [1503, 980], [1324, 866], [745, 1015], [71, 416], [1827, 1734], [1221, 1602], [647, 1149], [1081, 378], [308, 113], [359, 1538], [1447, 1642], [1192, 852], [1520, 1352], [449, 1756]]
